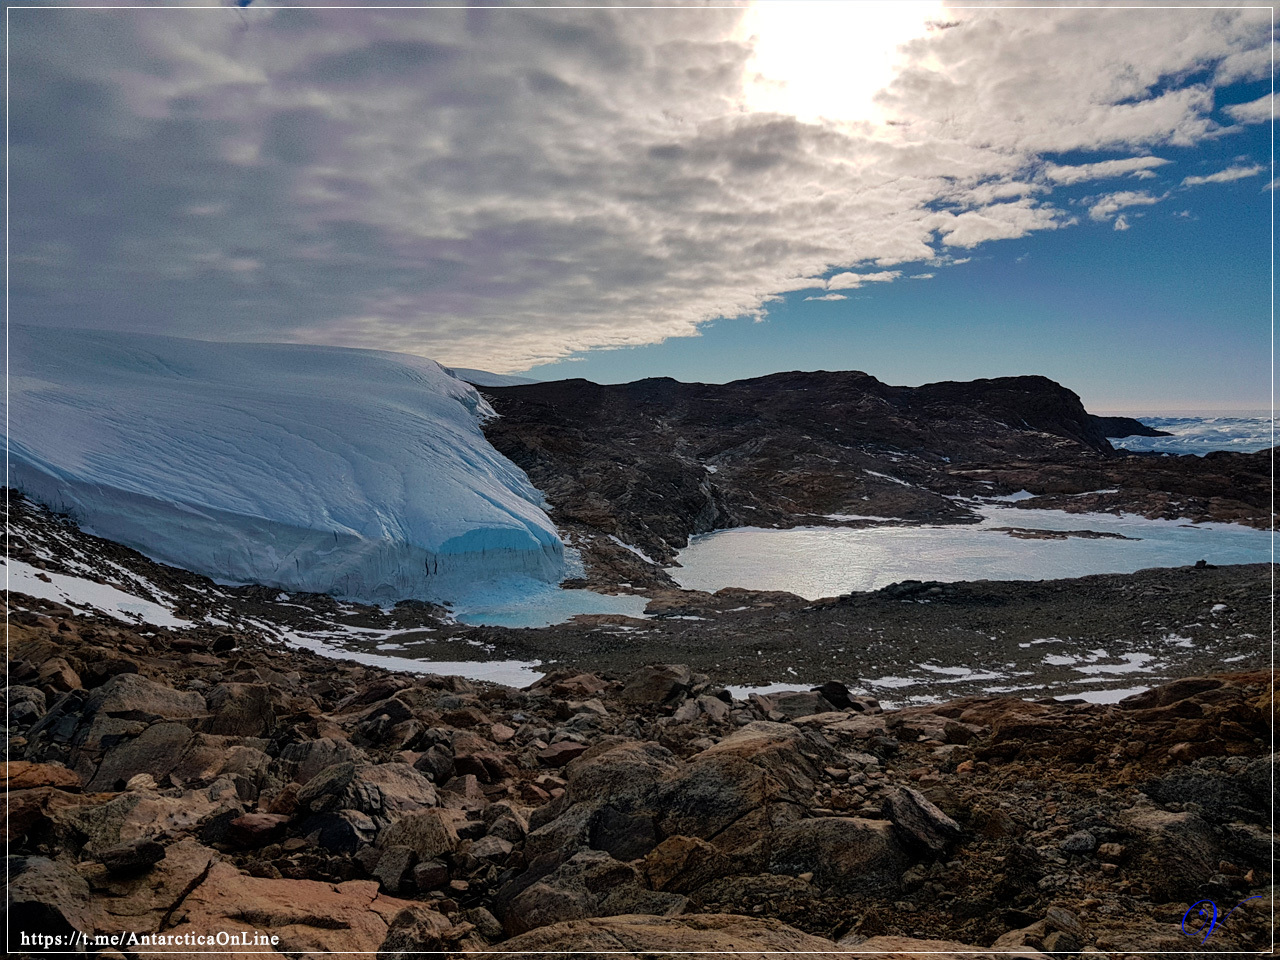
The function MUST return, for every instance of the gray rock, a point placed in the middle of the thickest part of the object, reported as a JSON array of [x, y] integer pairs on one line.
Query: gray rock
[[486, 924], [44, 897], [846, 854], [1064, 921], [432, 875], [384, 791], [918, 821], [1080, 843], [312, 756], [1177, 852], [491, 848], [25, 705], [590, 884], [714, 708], [394, 868], [342, 831], [624, 834], [1219, 795], [133, 697], [436, 763], [794, 705], [836, 694], [1059, 942], [428, 833], [155, 751]]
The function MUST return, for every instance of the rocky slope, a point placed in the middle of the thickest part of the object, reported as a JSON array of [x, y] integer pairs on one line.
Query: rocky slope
[[178, 783], [653, 462], [906, 641]]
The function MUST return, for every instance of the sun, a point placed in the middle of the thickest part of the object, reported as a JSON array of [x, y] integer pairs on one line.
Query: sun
[[824, 60]]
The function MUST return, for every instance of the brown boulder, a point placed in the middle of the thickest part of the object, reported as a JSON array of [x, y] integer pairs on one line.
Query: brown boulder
[[240, 710], [604, 938], [24, 775], [558, 754], [254, 830], [657, 684], [307, 916]]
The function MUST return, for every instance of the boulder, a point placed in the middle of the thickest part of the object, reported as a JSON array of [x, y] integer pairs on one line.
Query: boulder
[[792, 757], [311, 756], [605, 938], [207, 758], [428, 833], [25, 705], [307, 916], [836, 694], [919, 821], [131, 857], [589, 884], [240, 710], [384, 791], [683, 864], [155, 751], [56, 674], [432, 875], [846, 854], [908, 948], [23, 775], [254, 830], [341, 831], [130, 696], [141, 900], [420, 931], [657, 684], [559, 754], [794, 704], [1081, 843], [394, 868], [1177, 853], [44, 897]]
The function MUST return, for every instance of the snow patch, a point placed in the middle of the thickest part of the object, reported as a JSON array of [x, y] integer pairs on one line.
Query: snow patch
[[85, 596]]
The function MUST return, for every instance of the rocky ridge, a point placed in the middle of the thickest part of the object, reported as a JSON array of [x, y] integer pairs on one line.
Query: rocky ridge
[[631, 471], [181, 782]]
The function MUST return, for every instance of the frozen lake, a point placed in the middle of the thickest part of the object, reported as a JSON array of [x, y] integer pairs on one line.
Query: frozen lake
[[818, 562]]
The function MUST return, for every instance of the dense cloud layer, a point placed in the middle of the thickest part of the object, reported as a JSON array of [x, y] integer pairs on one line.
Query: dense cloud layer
[[498, 187]]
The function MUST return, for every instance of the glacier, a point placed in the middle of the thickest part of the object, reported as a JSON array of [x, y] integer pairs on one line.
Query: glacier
[[358, 473]]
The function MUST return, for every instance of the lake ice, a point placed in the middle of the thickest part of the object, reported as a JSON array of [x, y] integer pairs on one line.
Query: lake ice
[[818, 562]]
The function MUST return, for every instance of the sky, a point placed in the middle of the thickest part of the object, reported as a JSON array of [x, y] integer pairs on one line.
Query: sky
[[924, 191]]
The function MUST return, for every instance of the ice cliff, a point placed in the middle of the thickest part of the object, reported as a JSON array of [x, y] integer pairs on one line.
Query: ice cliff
[[358, 473]]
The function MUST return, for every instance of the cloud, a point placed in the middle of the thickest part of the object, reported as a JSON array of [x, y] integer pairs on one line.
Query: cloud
[[1225, 176], [1122, 222], [1002, 221], [496, 187], [1101, 208], [851, 281], [921, 276], [829, 296], [1132, 166], [1255, 111]]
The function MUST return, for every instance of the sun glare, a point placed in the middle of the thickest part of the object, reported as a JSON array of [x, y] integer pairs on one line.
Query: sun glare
[[824, 60]]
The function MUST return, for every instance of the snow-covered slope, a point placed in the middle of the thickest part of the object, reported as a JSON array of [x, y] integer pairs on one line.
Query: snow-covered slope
[[353, 472]]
